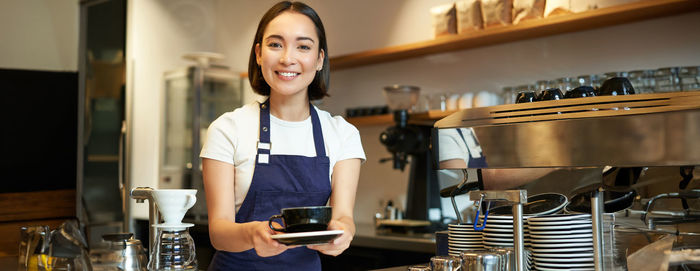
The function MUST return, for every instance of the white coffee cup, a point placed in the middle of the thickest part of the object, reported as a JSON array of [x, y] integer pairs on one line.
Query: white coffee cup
[[174, 203]]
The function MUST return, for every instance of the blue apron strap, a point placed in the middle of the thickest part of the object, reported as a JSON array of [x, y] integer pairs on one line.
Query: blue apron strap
[[264, 134], [318, 135]]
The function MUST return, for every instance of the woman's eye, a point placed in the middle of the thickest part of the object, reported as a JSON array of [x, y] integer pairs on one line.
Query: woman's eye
[[304, 47], [274, 45]]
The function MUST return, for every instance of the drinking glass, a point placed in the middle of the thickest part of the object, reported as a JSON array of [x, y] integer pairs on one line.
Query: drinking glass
[[667, 79], [689, 78], [583, 80], [542, 85], [508, 95], [565, 84]]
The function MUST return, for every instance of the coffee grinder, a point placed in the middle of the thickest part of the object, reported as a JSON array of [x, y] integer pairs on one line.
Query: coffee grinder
[[409, 143], [170, 245]]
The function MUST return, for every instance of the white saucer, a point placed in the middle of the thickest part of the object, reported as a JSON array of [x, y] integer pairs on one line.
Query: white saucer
[[563, 240], [564, 222], [560, 217], [565, 265], [496, 235], [565, 260], [562, 227], [562, 245], [307, 238], [560, 236], [561, 232], [498, 230], [562, 250], [563, 255]]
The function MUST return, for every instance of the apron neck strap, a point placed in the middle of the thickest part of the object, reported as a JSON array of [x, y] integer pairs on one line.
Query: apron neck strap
[[264, 133]]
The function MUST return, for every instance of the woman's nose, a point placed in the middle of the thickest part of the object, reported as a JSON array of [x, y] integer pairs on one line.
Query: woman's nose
[[287, 58]]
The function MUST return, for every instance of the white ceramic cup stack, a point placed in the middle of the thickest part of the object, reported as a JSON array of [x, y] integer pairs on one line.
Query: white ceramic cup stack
[[461, 237], [562, 242], [174, 203]]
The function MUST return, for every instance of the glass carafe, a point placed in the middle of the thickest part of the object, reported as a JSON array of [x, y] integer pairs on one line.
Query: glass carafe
[[174, 250]]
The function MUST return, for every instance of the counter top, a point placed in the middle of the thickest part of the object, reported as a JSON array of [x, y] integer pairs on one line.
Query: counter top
[[366, 235]]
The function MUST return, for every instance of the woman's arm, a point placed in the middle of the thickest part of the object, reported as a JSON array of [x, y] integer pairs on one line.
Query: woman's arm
[[224, 232], [346, 174]]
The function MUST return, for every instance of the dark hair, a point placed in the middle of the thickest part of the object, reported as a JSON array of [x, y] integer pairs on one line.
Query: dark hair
[[319, 86]]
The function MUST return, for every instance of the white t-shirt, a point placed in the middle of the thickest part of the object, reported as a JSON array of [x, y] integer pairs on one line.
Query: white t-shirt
[[452, 146], [232, 138]]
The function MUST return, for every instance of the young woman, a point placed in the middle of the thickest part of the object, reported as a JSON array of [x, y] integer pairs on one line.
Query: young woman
[[281, 151]]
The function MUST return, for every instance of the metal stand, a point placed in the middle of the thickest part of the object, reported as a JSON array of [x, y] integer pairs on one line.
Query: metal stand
[[518, 197], [597, 210], [140, 194]]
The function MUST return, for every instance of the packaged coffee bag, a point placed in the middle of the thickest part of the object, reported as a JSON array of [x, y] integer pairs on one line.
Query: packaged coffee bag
[[469, 16], [527, 9], [497, 12], [444, 19]]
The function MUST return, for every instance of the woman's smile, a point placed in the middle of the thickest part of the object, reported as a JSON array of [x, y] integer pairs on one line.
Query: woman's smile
[[287, 76]]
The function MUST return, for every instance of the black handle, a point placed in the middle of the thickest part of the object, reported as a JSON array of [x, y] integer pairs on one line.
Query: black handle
[[455, 190], [269, 222]]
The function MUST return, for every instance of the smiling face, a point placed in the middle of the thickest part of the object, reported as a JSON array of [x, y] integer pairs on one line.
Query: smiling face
[[289, 54]]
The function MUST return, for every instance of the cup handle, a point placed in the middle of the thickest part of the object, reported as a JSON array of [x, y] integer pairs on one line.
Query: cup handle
[[191, 200], [269, 222]]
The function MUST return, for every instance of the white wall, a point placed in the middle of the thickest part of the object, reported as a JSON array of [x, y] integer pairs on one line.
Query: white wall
[[159, 32], [355, 26], [39, 34]]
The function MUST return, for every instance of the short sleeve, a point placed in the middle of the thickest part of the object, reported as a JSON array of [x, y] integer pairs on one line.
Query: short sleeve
[[220, 144], [450, 146], [350, 141]]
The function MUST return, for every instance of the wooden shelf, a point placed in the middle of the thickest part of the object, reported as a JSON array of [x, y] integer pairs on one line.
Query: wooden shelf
[[425, 118], [643, 10]]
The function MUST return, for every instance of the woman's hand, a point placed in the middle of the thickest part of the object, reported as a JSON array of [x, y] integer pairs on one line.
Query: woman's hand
[[261, 237], [338, 245]]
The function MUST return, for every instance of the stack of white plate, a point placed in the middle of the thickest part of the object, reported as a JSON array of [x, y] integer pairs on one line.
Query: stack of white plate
[[562, 242], [462, 237], [499, 231]]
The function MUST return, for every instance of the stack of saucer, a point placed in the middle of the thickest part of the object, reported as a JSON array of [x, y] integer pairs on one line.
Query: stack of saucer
[[562, 242], [498, 231], [462, 237]]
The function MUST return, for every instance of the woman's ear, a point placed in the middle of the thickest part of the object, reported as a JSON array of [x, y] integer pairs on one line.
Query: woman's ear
[[319, 61], [257, 53]]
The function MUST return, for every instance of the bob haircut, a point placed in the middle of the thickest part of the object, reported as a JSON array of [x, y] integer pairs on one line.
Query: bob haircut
[[319, 86]]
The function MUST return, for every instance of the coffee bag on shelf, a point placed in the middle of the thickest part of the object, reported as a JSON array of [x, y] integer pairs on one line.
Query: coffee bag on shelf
[[469, 16], [497, 12], [444, 19], [527, 9]]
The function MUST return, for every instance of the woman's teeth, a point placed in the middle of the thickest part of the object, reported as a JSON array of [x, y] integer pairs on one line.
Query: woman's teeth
[[288, 73]]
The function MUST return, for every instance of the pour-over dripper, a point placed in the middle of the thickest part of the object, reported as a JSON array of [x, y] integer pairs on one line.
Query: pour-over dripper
[[174, 247], [174, 203], [401, 97]]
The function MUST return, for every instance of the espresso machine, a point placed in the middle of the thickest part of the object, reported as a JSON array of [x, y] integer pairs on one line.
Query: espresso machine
[[643, 130], [409, 143]]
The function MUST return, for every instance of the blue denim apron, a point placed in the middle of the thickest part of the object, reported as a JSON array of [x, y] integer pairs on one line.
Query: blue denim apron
[[280, 181]]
